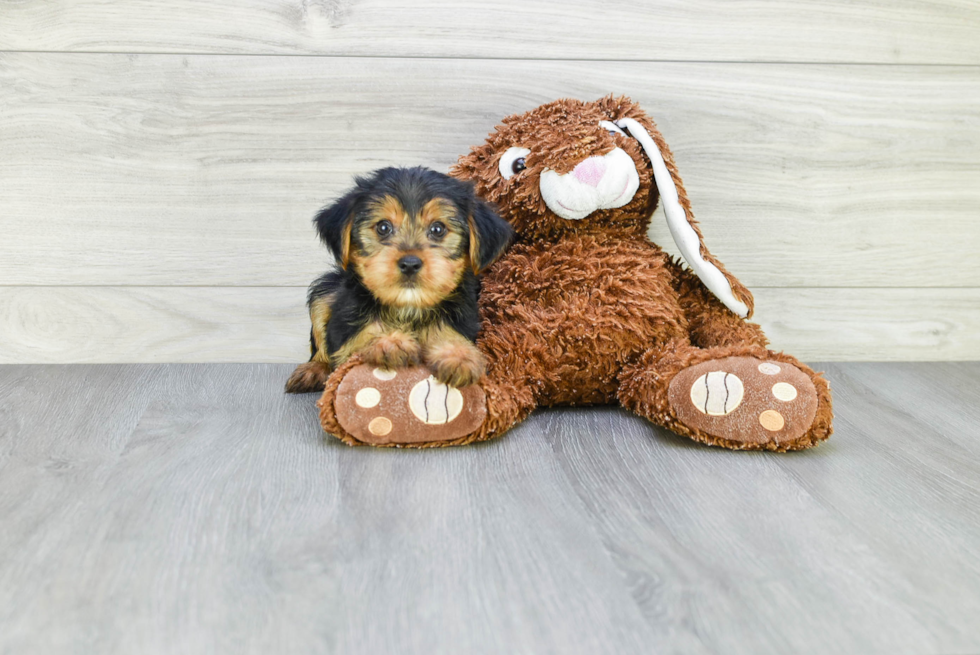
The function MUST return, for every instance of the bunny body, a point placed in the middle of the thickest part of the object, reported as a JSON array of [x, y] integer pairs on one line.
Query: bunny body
[[572, 320]]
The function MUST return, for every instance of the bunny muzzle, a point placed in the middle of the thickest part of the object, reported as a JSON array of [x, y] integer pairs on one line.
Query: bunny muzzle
[[598, 182]]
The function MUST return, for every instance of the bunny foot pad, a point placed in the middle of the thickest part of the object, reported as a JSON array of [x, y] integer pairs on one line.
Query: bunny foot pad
[[406, 406], [744, 399]]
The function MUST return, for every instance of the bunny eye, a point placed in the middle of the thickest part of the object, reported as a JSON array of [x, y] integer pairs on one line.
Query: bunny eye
[[513, 162], [612, 128]]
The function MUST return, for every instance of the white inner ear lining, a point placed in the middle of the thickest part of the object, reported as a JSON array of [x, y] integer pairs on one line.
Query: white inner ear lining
[[680, 229]]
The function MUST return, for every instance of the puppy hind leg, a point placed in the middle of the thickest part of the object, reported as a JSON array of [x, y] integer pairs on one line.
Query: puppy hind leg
[[312, 375], [308, 377]]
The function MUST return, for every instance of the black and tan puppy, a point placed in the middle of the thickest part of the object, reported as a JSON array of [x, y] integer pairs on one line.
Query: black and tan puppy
[[409, 244]]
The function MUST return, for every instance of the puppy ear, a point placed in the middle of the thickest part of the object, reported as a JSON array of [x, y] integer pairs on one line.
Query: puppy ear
[[489, 235], [334, 224]]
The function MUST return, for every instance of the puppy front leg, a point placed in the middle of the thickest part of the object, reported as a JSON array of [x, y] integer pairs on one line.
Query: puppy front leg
[[452, 358], [388, 348]]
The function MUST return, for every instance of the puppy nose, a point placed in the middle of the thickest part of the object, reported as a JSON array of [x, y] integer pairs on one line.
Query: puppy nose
[[410, 264], [590, 171]]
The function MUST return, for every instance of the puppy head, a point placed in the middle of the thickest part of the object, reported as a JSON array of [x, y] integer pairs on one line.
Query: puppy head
[[566, 166], [411, 234]]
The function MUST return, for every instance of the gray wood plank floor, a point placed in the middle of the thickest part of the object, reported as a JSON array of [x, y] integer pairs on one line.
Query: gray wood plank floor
[[197, 509]]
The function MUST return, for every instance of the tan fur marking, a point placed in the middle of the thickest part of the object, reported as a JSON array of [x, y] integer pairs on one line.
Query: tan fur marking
[[474, 246], [357, 343], [381, 345], [320, 316], [453, 359], [438, 277], [437, 209], [394, 349], [345, 245], [379, 272], [390, 208]]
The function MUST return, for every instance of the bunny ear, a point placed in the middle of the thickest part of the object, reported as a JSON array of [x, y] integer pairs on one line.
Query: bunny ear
[[681, 223]]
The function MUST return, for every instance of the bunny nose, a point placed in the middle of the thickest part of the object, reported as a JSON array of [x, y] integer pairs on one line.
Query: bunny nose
[[590, 171]]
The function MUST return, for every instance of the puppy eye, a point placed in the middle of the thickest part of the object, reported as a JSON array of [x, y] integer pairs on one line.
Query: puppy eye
[[384, 228], [513, 162], [612, 128], [437, 230]]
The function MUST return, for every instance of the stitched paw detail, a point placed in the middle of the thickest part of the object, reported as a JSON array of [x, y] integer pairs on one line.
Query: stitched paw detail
[[406, 406], [744, 399], [717, 393], [435, 403]]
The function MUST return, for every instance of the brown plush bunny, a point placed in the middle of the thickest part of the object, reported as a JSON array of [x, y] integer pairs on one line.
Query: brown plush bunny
[[584, 309]]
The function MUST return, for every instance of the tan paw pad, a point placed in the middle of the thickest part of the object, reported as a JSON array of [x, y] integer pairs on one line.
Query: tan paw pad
[[771, 420], [717, 393], [380, 426], [784, 391], [367, 397], [433, 402], [384, 374]]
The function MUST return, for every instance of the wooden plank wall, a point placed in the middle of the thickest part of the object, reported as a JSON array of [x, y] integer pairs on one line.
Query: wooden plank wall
[[160, 162]]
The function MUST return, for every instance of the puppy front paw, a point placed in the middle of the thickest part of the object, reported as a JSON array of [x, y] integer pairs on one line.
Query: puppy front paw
[[307, 377], [457, 365], [393, 350]]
